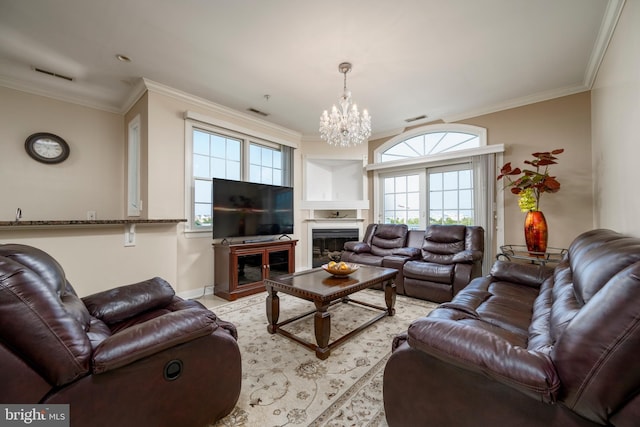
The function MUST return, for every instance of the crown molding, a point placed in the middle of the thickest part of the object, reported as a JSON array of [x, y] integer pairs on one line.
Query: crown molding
[[607, 27], [228, 114], [57, 95], [515, 103], [139, 89]]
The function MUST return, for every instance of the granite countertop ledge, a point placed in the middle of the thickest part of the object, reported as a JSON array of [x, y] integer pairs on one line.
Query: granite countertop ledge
[[47, 222]]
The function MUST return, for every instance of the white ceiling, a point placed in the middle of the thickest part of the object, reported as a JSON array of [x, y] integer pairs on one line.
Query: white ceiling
[[444, 59]]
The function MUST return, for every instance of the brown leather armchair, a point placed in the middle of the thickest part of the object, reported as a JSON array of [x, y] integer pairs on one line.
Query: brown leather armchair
[[131, 356]]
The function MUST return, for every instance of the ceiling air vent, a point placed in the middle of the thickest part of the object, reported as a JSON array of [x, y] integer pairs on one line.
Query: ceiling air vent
[[51, 73], [262, 113], [415, 119]]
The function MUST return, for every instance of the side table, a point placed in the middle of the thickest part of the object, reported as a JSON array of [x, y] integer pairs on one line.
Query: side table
[[520, 253]]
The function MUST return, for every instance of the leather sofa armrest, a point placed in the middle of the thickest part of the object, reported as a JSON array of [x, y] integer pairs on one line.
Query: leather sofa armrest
[[524, 274], [409, 252], [150, 337], [357, 247], [468, 256], [483, 352], [115, 305]]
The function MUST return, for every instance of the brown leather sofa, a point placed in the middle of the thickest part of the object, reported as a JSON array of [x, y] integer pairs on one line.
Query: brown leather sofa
[[135, 355], [433, 264], [528, 346]]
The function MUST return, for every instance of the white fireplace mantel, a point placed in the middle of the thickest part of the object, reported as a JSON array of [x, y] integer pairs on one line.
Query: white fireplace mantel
[[324, 221], [329, 223]]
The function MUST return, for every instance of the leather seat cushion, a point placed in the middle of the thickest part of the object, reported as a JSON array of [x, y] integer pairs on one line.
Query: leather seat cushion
[[429, 271], [364, 258]]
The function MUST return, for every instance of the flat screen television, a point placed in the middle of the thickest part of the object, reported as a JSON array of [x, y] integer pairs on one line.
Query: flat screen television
[[245, 209]]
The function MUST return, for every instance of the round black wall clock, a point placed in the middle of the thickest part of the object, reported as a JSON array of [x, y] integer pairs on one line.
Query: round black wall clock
[[47, 148]]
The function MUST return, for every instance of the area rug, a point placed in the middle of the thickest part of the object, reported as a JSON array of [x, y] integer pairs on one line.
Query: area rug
[[284, 384]]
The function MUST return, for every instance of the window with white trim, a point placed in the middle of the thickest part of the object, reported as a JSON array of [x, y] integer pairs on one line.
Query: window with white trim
[[446, 195], [133, 168], [450, 198], [219, 153], [430, 143], [265, 164], [454, 169], [401, 195]]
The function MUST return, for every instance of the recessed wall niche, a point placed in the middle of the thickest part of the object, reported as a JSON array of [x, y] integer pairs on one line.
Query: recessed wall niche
[[334, 183]]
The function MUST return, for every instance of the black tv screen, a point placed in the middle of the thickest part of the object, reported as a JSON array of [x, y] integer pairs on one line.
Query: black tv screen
[[243, 209]]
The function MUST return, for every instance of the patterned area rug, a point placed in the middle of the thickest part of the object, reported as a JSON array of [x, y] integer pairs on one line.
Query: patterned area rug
[[284, 384]]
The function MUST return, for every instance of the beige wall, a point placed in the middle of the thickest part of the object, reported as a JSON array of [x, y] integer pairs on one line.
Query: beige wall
[[165, 160], [95, 258], [54, 191], [92, 178], [544, 126], [615, 114]]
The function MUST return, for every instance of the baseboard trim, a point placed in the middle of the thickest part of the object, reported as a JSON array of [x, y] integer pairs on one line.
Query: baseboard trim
[[196, 293]]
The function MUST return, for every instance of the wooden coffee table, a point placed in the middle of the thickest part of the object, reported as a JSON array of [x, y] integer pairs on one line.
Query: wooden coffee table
[[324, 290]]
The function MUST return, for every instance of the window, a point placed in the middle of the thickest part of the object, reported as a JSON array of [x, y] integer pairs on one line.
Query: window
[[430, 143], [445, 193], [451, 195], [265, 164], [217, 153], [214, 156], [133, 168], [401, 195], [437, 174]]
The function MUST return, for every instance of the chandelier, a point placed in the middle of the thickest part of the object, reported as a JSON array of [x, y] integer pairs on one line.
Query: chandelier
[[345, 127]]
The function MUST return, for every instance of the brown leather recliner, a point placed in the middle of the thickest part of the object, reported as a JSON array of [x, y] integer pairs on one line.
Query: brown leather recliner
[[380, 240], [134, 355], [451, 255]]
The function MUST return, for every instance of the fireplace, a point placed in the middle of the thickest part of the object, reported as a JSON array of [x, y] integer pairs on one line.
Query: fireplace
[[328, 243]]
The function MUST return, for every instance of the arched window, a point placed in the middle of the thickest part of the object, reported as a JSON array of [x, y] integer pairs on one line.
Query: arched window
[[430, 140], [436, 174], [431, 143]]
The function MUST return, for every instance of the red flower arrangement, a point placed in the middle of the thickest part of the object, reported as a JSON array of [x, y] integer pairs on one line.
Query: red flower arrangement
[[530, 184]]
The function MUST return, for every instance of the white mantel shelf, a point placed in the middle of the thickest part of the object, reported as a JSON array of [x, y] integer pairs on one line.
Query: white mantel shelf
[[334, 220]]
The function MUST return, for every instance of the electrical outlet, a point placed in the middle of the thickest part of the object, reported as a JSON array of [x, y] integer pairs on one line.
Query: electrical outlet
[[91, 215]]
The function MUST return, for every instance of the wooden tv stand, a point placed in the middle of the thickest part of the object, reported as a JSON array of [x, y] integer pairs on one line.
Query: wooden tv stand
[[241, 268]]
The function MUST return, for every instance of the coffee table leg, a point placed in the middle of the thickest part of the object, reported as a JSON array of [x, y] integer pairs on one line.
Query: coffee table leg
[[390, 296], [273, 310], [322, 322]]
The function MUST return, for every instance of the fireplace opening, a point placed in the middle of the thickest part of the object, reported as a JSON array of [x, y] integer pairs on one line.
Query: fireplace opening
[[328, 243]]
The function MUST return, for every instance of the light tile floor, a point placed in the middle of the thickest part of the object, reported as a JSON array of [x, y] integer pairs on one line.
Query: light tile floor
[[210, 300]]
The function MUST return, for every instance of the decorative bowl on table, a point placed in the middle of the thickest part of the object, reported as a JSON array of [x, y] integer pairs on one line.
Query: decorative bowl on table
[[340, 268]]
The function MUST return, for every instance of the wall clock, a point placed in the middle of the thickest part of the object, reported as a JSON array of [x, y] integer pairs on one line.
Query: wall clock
[[47, 148]]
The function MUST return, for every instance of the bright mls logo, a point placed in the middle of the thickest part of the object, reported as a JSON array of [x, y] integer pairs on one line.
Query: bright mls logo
[[34, 415]]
